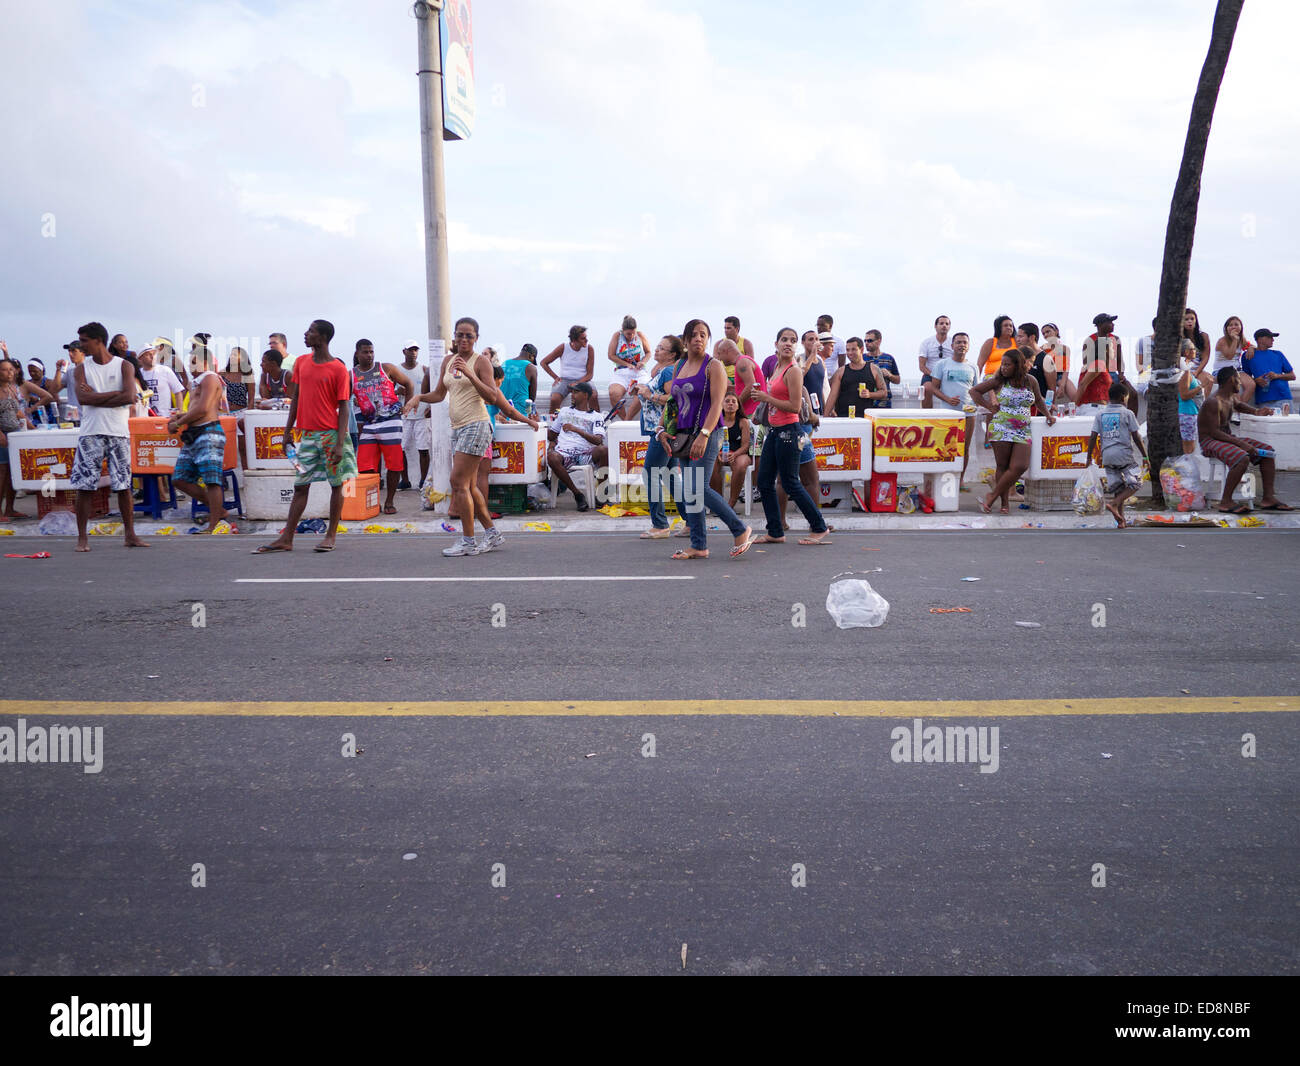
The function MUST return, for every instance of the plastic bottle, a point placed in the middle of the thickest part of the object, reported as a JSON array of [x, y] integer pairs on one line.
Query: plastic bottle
[[291, 453]]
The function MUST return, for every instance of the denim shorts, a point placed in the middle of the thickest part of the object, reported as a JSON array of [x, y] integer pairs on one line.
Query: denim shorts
[[806, 455]]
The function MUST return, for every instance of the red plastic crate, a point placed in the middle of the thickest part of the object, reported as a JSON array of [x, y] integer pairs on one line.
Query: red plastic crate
[[66, 500]]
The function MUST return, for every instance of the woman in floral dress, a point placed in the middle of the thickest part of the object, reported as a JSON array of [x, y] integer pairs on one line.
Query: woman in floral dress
[[1009, 428]]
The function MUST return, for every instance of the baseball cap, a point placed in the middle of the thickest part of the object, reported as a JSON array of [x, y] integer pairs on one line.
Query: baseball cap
[[408, 345], [75, 344], [1099, 319], [1266, 333], [583, 386], [531, 349]]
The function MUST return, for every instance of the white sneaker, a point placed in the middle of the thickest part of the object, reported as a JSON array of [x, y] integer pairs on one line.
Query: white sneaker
[[463, 547], [493, 540]]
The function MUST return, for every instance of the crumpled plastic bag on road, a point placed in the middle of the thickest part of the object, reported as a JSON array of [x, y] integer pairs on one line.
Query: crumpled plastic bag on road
[[853, 603], [59, 524]]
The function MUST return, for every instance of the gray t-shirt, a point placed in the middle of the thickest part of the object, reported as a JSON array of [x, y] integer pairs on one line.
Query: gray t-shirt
[[1115, 425]]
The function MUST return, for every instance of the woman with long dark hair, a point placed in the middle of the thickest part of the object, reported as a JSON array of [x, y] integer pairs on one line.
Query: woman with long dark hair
[[698, 386], [1230, 350], [1200, 350], [783, 445], [1009, 428], [1003, 340]]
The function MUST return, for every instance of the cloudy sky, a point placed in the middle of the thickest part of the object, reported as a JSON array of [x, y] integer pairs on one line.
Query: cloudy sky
[[245, 167]]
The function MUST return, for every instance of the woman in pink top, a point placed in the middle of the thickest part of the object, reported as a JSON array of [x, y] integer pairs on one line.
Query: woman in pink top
[[782, 446]]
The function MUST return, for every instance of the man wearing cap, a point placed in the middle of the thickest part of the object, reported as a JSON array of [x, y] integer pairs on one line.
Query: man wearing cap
[[164, 354], [1272, 373], [576, 436], [63, 371], [1103, 357], [417, 432], [826, 324], [161, 381]]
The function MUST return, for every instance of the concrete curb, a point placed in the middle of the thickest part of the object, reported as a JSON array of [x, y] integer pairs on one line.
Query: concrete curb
[[1025, 520]]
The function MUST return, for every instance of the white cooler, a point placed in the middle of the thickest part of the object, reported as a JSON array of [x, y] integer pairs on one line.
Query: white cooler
[[267, 494]]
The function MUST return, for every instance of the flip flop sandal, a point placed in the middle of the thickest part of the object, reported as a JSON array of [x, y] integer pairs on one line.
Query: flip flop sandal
[[683, 554], [390, 510], [269, 549], [685, 531], [987, 508], [1277, 507], [808, 542], [740, 549], [655, 534], [323, 548]]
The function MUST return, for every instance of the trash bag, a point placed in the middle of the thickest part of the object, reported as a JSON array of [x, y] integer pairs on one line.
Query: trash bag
[[1180, 478], [1089, 497], [59, 524], [853, 602]]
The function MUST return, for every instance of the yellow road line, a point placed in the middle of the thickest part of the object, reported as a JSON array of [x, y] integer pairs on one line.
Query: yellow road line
[[658, 708]]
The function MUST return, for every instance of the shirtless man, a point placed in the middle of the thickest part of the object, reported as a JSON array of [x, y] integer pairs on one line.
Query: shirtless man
[[203, 441], [1235, 453]]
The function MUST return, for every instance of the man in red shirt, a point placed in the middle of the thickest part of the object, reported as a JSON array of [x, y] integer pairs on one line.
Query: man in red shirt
[[321, 395]]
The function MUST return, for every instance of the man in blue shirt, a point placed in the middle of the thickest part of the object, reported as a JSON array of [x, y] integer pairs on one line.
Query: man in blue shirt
[[1272, 373], [885, 361]]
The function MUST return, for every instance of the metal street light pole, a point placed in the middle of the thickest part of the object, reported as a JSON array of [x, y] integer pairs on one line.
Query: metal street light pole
[[435, 230]]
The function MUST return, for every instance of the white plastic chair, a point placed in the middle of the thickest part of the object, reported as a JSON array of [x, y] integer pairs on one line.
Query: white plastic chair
[[586, 473]]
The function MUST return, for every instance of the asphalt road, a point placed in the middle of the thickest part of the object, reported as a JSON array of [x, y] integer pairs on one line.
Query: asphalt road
[[613, 860]]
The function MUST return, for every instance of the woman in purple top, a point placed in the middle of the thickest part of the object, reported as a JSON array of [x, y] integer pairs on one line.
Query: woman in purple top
[[698, 386]]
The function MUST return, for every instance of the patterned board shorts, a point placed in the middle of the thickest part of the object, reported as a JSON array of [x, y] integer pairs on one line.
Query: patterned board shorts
[[202, 460], [1229, 454], [314, 456], [1187, 426], [472, 438], [1119, 478], [574, 459], [88, 462]]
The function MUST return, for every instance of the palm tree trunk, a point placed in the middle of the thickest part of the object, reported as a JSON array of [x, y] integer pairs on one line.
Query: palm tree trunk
[[1162, 400]]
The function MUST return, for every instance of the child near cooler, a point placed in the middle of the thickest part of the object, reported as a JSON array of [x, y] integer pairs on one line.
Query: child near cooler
[[1117, 428]]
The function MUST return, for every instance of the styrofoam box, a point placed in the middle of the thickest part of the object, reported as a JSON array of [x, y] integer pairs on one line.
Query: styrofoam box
[[267, 495], [1281, 432]]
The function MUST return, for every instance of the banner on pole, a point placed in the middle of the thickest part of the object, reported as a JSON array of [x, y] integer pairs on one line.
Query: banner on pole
[[457, 37]]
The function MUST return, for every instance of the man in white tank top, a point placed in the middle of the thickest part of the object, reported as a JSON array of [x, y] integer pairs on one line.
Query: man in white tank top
[[105, 387], [577, 363]]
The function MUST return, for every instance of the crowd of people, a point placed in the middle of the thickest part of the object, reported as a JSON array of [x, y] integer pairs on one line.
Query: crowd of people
[[708, 407]]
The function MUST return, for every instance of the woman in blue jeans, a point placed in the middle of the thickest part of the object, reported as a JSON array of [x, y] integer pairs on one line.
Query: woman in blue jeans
[[782, 447], [698, 386], [652, 396]]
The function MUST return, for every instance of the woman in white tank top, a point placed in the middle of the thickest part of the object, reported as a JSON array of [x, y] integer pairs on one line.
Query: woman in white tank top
[[1230, 351]]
